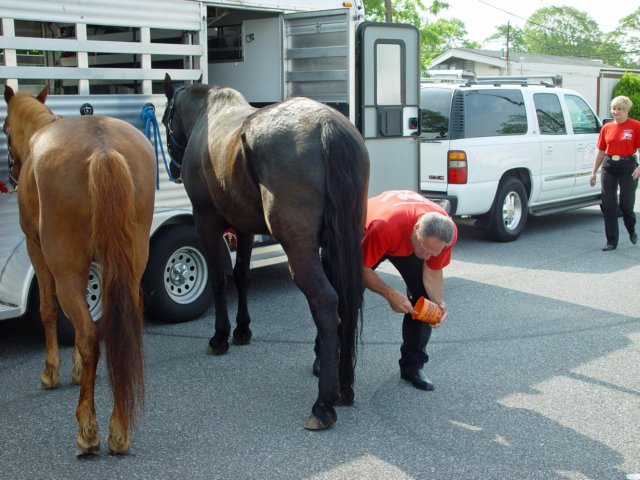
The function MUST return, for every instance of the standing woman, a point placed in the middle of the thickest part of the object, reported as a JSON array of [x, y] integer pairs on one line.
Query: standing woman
[[617, 145]]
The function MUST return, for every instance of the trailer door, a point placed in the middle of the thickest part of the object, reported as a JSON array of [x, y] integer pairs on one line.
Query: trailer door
[[317, 54], [388, 98]]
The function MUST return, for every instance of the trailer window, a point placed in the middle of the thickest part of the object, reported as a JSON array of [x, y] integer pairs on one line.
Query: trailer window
[[93, 58], [389, 73], [35, 57], [225, 43]]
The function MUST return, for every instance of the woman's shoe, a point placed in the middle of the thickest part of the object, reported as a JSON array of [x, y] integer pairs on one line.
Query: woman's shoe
[[609, 247], [633, 237]]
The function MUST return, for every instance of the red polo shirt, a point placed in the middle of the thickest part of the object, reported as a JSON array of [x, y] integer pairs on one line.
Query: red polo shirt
[[391, 217]]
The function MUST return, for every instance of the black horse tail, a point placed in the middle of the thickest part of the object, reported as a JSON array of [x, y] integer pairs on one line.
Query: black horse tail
[[346, 185]]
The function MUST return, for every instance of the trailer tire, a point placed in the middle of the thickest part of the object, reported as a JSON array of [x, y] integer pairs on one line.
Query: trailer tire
[[176, 283], [64, 327], [66, 332]]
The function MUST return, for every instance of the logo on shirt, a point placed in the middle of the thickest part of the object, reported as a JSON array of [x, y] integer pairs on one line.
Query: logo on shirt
[[627, 134], [404, 196]]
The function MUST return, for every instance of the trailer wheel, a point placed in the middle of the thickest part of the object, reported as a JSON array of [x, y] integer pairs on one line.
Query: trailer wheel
[[176, 282], [66, 333]]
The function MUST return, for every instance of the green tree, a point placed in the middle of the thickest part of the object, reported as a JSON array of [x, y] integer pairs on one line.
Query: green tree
[[627, 35], [437, 35], [629, 86], [566, 31], [510, 36]]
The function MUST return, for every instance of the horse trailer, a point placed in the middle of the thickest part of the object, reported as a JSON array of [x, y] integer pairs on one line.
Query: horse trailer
[[110, 57]]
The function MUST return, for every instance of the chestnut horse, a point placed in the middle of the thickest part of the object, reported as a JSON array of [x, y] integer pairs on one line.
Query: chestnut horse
[[297, 170], [86, 193]]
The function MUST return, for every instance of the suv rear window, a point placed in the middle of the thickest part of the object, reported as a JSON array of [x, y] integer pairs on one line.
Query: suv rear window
[[491, 113], [435, 104]]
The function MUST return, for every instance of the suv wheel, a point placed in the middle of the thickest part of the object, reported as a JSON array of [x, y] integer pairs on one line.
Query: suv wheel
[[509, 211]]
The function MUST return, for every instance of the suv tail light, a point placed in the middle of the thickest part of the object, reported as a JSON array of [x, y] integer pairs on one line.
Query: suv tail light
[[457, 166]]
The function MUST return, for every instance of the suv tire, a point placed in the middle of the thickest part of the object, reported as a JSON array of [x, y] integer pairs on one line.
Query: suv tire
[[509, 211]]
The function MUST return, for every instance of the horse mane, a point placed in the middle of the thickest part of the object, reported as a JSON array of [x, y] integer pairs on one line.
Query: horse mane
[[222, 97]]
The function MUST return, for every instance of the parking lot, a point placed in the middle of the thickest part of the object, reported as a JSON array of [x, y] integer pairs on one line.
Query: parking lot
[[537, 374]]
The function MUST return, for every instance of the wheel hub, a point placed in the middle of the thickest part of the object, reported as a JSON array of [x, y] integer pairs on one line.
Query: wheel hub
[[185, 275], [178, 274]]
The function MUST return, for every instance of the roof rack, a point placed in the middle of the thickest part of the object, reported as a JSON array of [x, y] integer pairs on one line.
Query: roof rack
[[556, 80]]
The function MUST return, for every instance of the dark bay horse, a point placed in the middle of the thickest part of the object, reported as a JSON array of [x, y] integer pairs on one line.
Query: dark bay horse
[[297, 170], [86, 193]]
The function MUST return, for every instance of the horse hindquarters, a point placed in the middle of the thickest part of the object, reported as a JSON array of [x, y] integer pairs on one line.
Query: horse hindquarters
[[122, 256]]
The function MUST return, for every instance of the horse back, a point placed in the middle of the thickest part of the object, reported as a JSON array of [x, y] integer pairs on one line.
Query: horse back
[[295, 136]]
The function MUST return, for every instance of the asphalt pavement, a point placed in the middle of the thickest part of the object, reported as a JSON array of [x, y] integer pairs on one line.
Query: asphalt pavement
[[536, 373]]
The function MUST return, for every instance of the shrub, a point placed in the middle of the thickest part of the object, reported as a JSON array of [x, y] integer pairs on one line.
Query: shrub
[[629, 86]]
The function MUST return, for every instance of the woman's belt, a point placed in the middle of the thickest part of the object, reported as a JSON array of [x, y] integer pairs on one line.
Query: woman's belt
[[616, 158]]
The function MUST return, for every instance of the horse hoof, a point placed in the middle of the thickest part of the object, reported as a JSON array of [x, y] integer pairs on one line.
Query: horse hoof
[[322, 416], [83, 452], [84, 448], [242, 336], [347, 397], [216, 351], [314, 423], [118, 446], [47, 383], [218, 347]]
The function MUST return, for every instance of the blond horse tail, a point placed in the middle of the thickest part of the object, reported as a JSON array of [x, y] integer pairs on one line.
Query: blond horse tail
[[113, 222]]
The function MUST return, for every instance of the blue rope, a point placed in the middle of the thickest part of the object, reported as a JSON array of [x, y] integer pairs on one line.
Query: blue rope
[[149, 116]]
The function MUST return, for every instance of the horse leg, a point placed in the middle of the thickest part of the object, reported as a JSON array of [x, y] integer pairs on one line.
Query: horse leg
[[71, 296], [309, 276], [76, 369], [50, 377], [211, 230], [242, 332]]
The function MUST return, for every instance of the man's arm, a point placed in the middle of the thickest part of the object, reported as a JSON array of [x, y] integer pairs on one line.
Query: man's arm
[[397, 300]]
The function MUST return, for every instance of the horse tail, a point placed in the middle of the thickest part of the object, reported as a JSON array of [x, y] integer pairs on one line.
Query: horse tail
[[113, 222], [346, 183]]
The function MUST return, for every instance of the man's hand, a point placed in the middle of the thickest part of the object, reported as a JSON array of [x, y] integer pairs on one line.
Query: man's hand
[[445, 314], [399, 302]]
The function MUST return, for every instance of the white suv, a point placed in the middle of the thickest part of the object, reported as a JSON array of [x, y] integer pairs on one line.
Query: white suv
[[503, 149]]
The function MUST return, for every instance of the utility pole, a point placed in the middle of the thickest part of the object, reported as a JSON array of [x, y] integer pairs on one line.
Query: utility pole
[[388, 17], [507, 55]]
